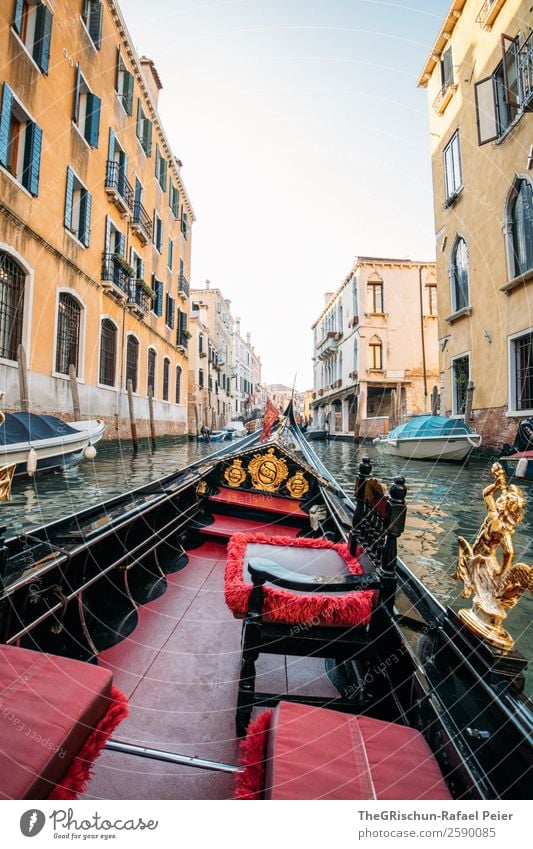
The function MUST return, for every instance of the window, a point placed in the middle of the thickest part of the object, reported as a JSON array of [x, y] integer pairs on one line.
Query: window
[[183, 333], [11, 306], [201, 378], [108, 352], [169, 312], [174, 200], [68, 333], [92, 18], [453, 177], [459, 276], [20, 142], [137, 263], [157, 302], [522, 372], [375, 297], [77, 208], [132, 362], [184, 223], [446, 69], [178, 384], [166, 378], [522, 227], [160, 169], [170, 259], [502, 97], [151, 371], [375, 354], [86, 113], [117, 170], [124, 84], [460, 378], [33, 25], [432, 298], [144, 129], [158, 232]]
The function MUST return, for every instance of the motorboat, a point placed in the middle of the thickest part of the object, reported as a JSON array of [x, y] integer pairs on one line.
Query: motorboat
[[243, 619], [316, 434], [428, 437], [38, 443], [517, 459], [214, 436]]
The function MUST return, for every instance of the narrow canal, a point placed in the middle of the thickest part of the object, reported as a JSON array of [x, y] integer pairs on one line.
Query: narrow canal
[[444, 500]]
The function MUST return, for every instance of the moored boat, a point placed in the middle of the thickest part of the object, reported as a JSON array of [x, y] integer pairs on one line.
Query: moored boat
[[428, 437], [517, 459], [137, 587], [317, 434]]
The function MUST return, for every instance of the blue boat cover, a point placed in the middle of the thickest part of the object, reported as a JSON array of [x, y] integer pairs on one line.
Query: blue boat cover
[[29, 427], [429, 426]]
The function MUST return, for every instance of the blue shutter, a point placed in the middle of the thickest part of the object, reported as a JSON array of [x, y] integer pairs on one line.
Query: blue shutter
[[171, 313], [121, 243], [76, 111], [170, 253], [157, 158], [32, 158], [85, 218], [158, 307], [137, 203], [5, 123], [43, 34], [17, 23], [68, 198], [111, 153], [107, 247], [117, 72], [92, 120], [127, 98], [147, 136], [139, 129], [163, 181], [95, 22]]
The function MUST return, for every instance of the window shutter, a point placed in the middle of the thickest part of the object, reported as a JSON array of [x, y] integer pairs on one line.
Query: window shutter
[[171, 312], [158, 306], [127, 97], [163, 181], [157, 158], [142, 270], [167, 309], [5, 122], [76, 110], [117, 72], [447, 67], [94, 24], [147, 136], [140, 121], [121, 243], [32, 158], [68, 198], [17, 23], [170, 253], [43, 34], [486, 114], [85, 216], [112, 137], [107, 234], [92, 125]]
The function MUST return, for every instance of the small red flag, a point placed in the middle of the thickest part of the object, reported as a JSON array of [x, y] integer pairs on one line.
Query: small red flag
[[269, 419]]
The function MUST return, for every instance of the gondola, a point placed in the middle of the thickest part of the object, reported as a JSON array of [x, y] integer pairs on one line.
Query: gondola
[[245, 607]]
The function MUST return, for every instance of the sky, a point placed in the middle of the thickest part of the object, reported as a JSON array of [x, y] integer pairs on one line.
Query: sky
[[304, 142]]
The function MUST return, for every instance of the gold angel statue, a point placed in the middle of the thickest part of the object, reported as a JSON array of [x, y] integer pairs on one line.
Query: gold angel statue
[[496, 586]]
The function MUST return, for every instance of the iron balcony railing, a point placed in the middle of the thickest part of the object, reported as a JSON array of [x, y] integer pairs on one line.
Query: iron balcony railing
[[183, 285], [142, 221], [138, 297], [113, 271], [525, 71], [117, 185], [182, 338]]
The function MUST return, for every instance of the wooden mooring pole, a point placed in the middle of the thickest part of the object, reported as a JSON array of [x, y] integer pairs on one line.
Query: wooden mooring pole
[[75, 393], [133, 424], [151, 413], [23, 379], [434, 401], [468, 401]]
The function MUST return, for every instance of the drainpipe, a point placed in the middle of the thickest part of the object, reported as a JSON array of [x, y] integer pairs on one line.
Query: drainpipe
[[423, 338]]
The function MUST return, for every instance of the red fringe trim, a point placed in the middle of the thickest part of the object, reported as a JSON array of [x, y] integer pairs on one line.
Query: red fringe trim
[[250, 783], [353, 608], [79, 772]]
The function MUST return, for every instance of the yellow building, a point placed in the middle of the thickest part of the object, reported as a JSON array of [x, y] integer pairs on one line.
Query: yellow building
[[479, 79], [95, 222]]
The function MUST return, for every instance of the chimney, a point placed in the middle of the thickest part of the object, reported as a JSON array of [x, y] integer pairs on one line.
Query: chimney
[[328, 296], [151, 78], [248, 338], [207, 284], [238, 326]]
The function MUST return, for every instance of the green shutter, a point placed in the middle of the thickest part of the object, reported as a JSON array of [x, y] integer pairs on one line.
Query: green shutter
[[147, 136], [92, 119], [157, 159], [127, 95], [17, 23], [163, 180], [68, 198], [5, 123], [85, 218], [158, 304], [43, 34], [76, 110], [94, 22], [117, 70], [32, 158], [140, 121]]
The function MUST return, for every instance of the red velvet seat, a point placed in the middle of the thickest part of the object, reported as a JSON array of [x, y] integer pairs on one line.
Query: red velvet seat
[[302, 752], [51, 709]]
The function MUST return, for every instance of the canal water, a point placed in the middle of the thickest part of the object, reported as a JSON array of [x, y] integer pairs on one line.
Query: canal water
[[444, 501]]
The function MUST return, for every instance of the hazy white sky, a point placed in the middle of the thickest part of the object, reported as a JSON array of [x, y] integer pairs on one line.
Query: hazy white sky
[[304, 142]]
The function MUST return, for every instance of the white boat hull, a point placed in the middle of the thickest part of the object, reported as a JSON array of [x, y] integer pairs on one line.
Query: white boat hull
[[56, 452], [432, 447]]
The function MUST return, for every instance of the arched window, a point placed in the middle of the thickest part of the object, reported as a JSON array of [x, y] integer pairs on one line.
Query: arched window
[[11, 306], [132, 361], [459, 276], [178, 384], [108, 352], [375, 353], [150, 379], [522, 227], [166, 377], [68, 333]]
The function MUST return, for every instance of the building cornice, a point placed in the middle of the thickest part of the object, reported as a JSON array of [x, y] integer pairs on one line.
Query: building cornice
[[440, 43]]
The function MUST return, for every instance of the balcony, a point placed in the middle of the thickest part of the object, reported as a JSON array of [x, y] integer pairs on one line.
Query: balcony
[[118, 188], [328, 344], [183, 285], [142, 223], [182, 338], [116, 275], [443, 97], [139, 300], [525, 71], [488, 13]]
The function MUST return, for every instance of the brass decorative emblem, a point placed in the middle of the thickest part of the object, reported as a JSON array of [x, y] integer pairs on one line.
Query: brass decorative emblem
[[6, 479], [496, 586], [235, 473], [267, 471], [201, 489], [297, 485]]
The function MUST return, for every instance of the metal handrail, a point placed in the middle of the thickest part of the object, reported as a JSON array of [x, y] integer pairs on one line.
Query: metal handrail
[[115, 178]]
